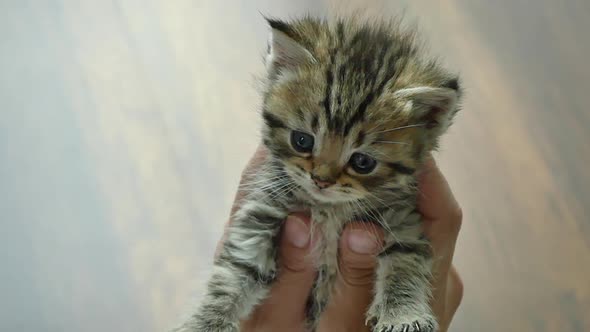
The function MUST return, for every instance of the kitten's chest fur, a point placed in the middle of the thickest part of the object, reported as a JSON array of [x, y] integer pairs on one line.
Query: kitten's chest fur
[[328, 222]]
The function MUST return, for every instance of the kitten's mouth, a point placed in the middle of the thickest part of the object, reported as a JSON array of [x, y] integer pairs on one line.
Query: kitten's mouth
[[322, 195], [315, 190], [321, 192], [327, 195]]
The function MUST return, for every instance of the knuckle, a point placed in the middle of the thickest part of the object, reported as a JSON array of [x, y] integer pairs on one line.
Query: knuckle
[[292, 263], [456, 217], [358, 277], [357, 271], [245, 174], [458, 286]]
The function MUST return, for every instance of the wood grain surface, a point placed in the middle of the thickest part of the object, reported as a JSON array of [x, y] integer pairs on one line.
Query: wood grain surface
[[124, 126]]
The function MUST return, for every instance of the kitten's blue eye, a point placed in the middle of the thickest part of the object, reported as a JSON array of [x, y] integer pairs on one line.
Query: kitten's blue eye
[[362, 164], [301, 142]]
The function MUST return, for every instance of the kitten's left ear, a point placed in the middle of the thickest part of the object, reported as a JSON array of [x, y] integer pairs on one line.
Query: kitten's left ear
[[433, 106], [284, 53]]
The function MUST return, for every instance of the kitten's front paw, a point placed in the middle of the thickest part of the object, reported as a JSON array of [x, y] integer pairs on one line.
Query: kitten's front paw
[[208, 324], [407, 324], [218, 328]]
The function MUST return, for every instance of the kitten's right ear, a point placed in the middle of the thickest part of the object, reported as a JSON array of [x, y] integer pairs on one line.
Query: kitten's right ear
[[284, 53], [433, 106]]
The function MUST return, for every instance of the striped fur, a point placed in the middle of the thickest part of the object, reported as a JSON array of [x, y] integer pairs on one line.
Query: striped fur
[[355, 87]]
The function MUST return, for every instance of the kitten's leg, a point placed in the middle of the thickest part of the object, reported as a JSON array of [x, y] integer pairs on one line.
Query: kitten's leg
[[326, 252], [243, 271], [316, 303], [402, 289]]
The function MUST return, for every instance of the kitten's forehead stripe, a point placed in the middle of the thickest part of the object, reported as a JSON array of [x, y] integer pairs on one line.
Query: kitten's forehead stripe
[[361, 62], [341, 78], [359, 115], [401, 168], [360, 138], [314, 122], [272, 121], [328, 93], [340, 31]]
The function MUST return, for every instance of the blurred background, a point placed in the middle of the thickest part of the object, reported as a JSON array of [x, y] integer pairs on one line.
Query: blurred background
[[124, 126]]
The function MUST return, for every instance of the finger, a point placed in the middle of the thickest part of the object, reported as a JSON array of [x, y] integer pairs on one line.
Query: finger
[[436, 200], [443, 218], [359, 245], [454, 292], [452, 300], [441, 212], [284, 308]]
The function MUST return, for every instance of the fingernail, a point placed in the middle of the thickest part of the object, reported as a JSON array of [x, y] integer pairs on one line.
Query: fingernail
[[297, 232], [362, 242]]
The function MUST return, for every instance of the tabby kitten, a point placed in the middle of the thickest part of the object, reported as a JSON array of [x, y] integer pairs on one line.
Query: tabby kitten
[[351, 109]]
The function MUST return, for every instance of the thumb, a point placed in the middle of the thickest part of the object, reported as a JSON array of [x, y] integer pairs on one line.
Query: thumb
[[359, 245], [296, 242]]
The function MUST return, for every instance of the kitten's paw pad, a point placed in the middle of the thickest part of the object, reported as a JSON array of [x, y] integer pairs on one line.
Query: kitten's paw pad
[[420, 325]]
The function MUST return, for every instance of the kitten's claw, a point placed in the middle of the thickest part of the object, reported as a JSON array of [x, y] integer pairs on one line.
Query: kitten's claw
[[421, 325]]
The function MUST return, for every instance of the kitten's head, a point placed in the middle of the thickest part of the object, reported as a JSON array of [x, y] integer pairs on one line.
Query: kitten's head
[[351, 109]]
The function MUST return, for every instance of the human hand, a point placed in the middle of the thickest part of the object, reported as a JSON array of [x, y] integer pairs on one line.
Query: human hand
[[442, 222], [284, 308]]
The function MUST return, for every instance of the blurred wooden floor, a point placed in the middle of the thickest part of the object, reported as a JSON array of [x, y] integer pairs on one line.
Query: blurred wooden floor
[[115, 177]]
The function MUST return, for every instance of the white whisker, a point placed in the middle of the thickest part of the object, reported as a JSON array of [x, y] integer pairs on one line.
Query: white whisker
[[380, 219], [400, 128], [392, 142], [282, 190]]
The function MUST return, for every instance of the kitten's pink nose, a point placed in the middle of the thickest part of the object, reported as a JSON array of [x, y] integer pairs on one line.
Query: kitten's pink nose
[[321, 183]]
